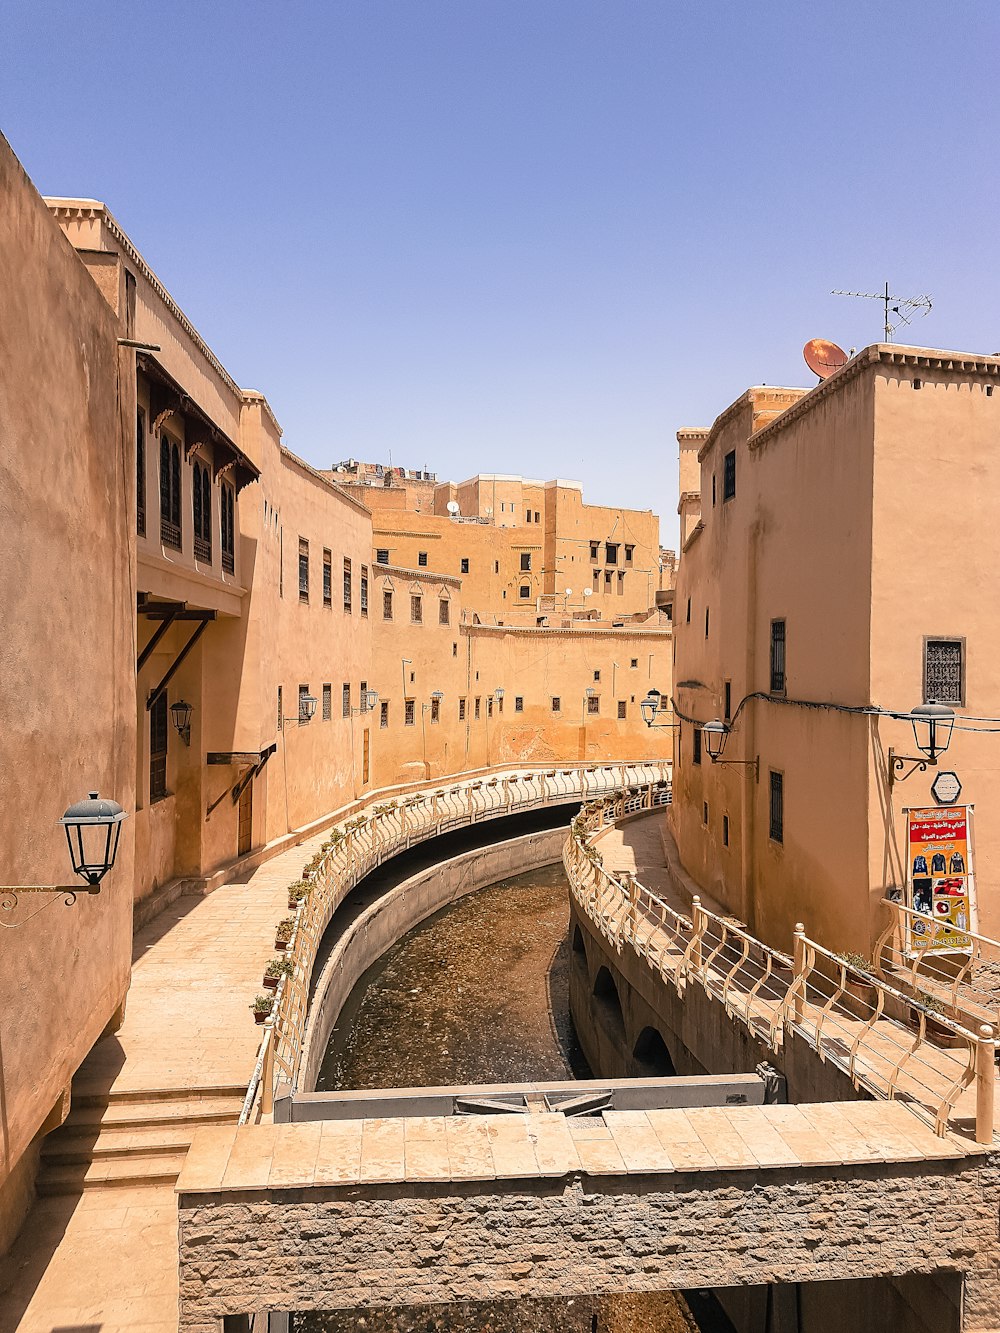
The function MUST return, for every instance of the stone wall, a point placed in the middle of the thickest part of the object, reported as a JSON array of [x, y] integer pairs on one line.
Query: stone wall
[[335, 1248]]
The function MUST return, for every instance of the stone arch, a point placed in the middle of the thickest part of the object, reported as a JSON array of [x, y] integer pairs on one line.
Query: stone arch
[[652, 1055], [608, 1003], [579, 947]]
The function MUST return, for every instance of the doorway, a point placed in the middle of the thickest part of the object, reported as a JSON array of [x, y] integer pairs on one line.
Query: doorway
[[244, 836]]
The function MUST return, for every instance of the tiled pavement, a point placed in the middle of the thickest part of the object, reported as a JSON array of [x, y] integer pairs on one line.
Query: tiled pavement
[[105, 1260]]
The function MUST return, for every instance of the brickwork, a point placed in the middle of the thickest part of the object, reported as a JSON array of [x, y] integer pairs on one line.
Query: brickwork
[[559, 1239]]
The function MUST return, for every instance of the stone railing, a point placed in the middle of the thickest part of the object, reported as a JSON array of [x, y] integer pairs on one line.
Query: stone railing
[[892, 1042], [382, 830]]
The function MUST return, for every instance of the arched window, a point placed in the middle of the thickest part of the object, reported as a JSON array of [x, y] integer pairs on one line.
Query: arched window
[[227, 526], [202, 505], [170, 492]]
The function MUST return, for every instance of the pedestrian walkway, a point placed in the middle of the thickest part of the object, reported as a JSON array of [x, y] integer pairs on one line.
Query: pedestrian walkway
[[104, 1256]]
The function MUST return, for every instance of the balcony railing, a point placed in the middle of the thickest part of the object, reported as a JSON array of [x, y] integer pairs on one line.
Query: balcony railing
[[170, 534]]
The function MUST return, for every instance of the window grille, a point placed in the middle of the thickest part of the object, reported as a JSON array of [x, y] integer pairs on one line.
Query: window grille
[[327, 702], [383, 719], [422, 559], [346, 698], [140, 474], [465, 565], [777, 821], [416, 610], [518, 703], [158, 749], [696, 744], [382, 555], [777, 657], [444, 611], [408, 713], [303, 570], [327, 577], [227, 518], [386, 604], [461, 710], [622, 710], [363, 591], [348, 592], [593, 704], [556, 704], [944, 676], [729, 476]]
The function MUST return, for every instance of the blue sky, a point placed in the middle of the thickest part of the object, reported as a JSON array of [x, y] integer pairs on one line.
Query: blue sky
[[533, 236]]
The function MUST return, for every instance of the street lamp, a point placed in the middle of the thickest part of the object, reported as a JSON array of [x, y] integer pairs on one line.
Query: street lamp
[[498, 693], [932, 725], [307, 708], [93, 829], [180, 715], [714, 736], [368, 702]]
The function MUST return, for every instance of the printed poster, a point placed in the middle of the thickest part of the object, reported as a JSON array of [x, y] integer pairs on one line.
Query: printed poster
[[939, 876]]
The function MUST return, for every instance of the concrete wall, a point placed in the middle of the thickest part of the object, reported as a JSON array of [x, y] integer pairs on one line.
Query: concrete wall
[[67, 661], [407, 904]]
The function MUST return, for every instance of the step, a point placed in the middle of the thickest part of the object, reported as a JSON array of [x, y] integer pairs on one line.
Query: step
[[71, 1178], [90, 1095], [81, 1150], [136, 1115]]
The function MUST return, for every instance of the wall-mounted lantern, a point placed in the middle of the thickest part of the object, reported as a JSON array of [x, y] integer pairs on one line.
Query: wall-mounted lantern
[[307, 708], [369, 700], [932, 725], [93, 828], [180, 715], [498, 693], [714, 736]]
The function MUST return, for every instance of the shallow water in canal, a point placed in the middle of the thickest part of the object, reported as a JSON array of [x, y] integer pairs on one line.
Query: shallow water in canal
[[479, 994]]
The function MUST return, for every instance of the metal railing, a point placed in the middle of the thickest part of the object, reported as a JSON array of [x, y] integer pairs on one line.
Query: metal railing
[[382, 829], [892, 1042]]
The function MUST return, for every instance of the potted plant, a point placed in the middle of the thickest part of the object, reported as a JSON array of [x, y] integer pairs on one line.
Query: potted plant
[[298, 891], [284, 932], [261, 1007], [275, 970], [860, 995], [937, 1032]]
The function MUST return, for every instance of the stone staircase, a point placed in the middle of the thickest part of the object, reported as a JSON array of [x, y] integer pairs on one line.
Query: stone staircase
[[123, 1139]]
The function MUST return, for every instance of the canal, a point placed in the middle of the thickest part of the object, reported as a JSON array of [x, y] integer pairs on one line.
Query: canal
[[479, 993]]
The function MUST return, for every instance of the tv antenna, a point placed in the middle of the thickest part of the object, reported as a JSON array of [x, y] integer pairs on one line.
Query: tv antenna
[[906, 308]]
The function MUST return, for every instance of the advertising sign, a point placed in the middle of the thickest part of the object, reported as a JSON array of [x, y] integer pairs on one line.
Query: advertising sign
[[939, 878]]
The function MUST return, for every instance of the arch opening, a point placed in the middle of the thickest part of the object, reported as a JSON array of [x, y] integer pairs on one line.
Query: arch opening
[[652, 1055], [608, 1003]]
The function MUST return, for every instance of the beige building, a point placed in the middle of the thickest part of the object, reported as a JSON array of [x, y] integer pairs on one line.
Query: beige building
[[231, 643], [836, 563]]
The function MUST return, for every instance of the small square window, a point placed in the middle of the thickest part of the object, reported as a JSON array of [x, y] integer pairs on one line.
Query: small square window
[[611, 553], [944, 671], [422, 559], [556, 704], [593, 704], [597, 676], [382, 555], [524, 591], [465, 565], [634, 662], [629, 552], [525, 560], [594, 547], [518, 703]]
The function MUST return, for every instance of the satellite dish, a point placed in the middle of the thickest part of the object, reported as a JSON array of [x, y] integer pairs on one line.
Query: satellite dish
[[453, 507], [823, 357], [588, 592]]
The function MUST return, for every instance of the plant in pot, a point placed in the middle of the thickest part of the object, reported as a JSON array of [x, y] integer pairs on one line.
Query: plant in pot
[[284, 933], [298, 891], [275, 970], [261, 1007], [860, 994], [937, 1032]]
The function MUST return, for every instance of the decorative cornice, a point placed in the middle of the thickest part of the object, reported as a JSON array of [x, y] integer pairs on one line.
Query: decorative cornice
[[590, 633], [255, 396], [293, 460], [421, 575]]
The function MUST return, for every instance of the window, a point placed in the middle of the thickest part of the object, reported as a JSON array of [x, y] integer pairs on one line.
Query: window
[[696, 752], [327, 702], [689, 611], [435, 710], [454, 650], [477, 708], [777, 657], [713, 490], [387, 604], [518, 703], [417, 609], [524, 591], [303, 696], [227, 511], [777, 824], [556, 704], [621, 581], [593, 704], [363, 591], [444, 611], [727, 704], [944, 676], [593, 550], [303, 570], [608, 576], [201, 502], [408, 713], [465, 565], [706, 622], [489, 705], [633, 662], [281, 560], [729, 476], [382, 555], [496, 566], [158, 748], [461, 710], [629, 552], [140, 474], [500, 704], [362, 697], [281, 718], [170, 492], [611, 553], [622, 710], [327, 577], [704, 812], [525, 560], [348, 589], [346, 699], [597, 677], [725, 830], [422, 559], [383, 719]]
